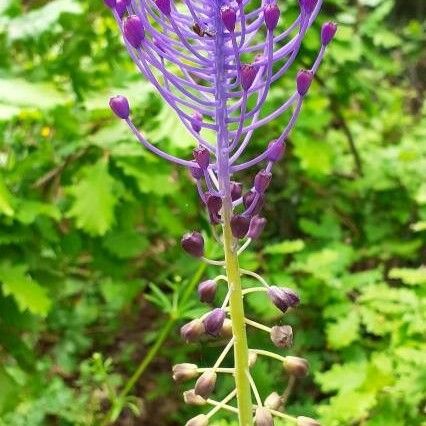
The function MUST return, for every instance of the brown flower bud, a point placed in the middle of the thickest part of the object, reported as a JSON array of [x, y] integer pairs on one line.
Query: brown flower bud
[[282, 336], [296, 366], [205, 384], [191, 331], [226, 328], [263, 417], [200, 420], [185, 371], [273, 401], [252, 358], [307, 421], [191, 398]]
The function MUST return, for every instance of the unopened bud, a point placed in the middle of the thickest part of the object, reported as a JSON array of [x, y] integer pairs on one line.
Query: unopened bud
[[192, 331], [196, 172], [191, 398], [110, 3], [226, 328], [250, 197], [120, 107], [273, 401], [328, 31], [247, 75], [282, 336], [257, 224], [307, 421], [283, 298], [296, 366], [196, 121], [134, 31], [205, 384], [276, 150], [308, 6], [207, 291], [262, 181], [263, 417], [303, 80], [202, 157], [164, 6], [252, 358], [271, 13], [229, 17], [240, 225], [236, 190], [121, 7], [213, 322], [185, 371], [193, 244], [200, 420]]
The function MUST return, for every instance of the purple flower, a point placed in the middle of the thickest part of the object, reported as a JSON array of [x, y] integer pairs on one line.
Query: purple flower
[[202, 157], [110, 3], [283, 298], [192, 331], [120, 106], [207, 291], [240, 225], [236, 190], [164, 6], [304, 80], [134, 31], [271, 13], [248, 73], [249, 198], [257, 224], [213, 322], [121, 7], [308, 6], [196, 121], [328, 31], [276, 150], [193, 244], [229, 16], [262, 181]]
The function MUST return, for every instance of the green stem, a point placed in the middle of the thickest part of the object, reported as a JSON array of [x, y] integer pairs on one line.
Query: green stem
[[151, 354], [245, 407]]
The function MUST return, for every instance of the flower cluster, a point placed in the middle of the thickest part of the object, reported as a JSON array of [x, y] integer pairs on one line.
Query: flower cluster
[[214, 62]]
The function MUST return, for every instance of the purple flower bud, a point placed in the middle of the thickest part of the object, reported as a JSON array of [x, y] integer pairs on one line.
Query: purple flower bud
[[192, 331], [328, 31], [282, 336], [304, 80], [207, 291], [164, 6], [205, 384], [273, 401], [110, 3], [196, 172], [196, 121], [257, 224], [121, 7], [307, 421], [185, 371], [200, 420], [193, 244], [213, 322], [296, 366], [247, 75], [263, 417], [236, 190], [308, 6], [229, 16], [283, 298], [240, 225], [120, 107], [134, 31], [249, 198], [262, 181], [214, 204], [271, 13], [202, 157], [191, 398], [276, 150]]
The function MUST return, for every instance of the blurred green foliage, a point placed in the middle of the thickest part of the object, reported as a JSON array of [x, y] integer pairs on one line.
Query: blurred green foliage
[[89, 224]]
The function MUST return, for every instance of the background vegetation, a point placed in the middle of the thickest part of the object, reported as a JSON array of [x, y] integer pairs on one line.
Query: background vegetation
[[92, 277]]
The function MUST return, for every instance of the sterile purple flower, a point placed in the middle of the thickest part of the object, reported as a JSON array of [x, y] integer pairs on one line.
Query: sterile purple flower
[[240, 225], [236, 190], [248, 73], [262, 181], [121, 7], [120, 106], [304, 80], [271, 13], [229, 17], [193, 244], [276, 150], [196, 121], [256, 227], [202, 157], [328, 31], [164, 6], [207, 291], [110, 3], [134, 31], [213, 322]]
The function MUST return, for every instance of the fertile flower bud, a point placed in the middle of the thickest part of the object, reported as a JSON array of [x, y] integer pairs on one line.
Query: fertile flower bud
[[192, 331], [249, 198], [164, 6], [328, 31], [271, 13], [304, 80], [207, 291], [240, 225], [202, 157], [110, 3], [257, 224], [252, 358], [134, 31], [263, 417], [276, 150], [262, 181], [236, 190], [191, 398], [185, 371], [296, 366], [282, 336], [196, 172], [229, 16], [200, 420], [205, 384], [213, 202], [226, 328], [120, 107], [307, 421], [308, 6], [273, 401], [196, 121], [121, 7], [213, 322], [247, 75], [283, 298], [193, 244]]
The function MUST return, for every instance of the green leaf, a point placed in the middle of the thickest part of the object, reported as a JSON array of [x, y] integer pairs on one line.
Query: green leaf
[[344, 331], [6, 199], [125, 244], [409, 276], [28, 294], [285, 247], [94, 199], [28, 211], [343, 377]]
